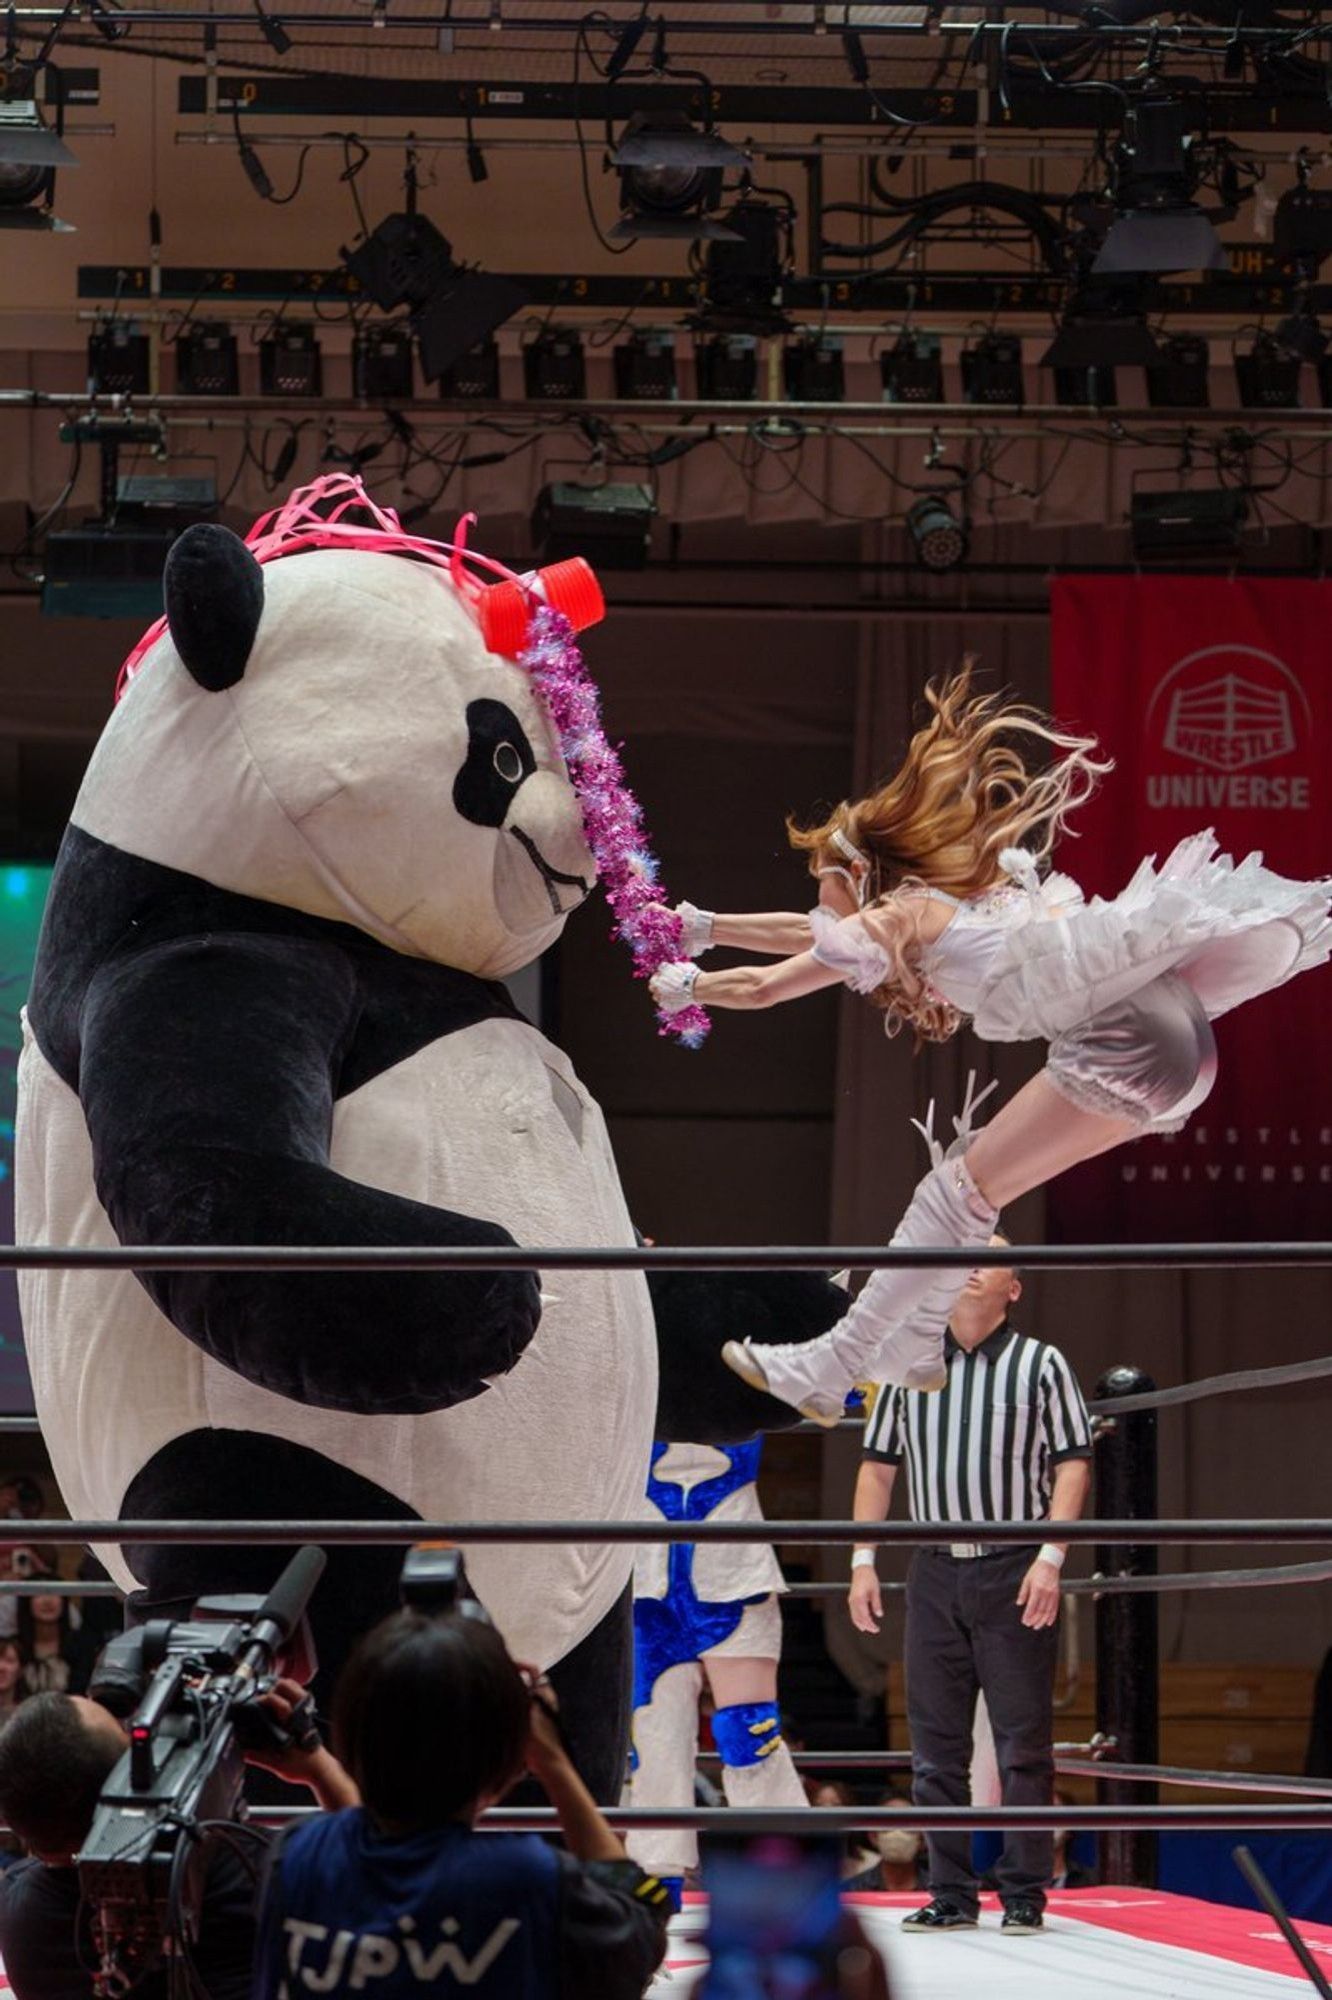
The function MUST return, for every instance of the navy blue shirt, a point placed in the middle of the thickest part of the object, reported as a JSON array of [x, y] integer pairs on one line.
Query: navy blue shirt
[[502, 1916]]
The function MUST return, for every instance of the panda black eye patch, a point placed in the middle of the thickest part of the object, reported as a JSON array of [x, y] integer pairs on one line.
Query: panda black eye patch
[[499, 758]]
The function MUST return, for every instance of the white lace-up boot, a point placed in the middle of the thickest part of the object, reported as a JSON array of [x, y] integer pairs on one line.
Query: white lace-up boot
[[894, 1332]]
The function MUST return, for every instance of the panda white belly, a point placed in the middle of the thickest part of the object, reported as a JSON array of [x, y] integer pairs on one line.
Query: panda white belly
[[490, 1121]]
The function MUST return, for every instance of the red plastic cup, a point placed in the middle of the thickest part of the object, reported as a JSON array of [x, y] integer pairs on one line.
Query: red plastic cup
[[504, 610]]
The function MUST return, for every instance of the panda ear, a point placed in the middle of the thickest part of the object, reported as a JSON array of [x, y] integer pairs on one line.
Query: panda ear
[[214, 591]]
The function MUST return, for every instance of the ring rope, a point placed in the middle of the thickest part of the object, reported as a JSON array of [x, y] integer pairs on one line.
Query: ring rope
[[1133, 1586], [616, 1257], [914, 1534], [1214, 1385], [1179, 1774]]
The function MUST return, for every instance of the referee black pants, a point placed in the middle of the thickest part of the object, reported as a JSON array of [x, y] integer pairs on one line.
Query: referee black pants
[[964, 1636]]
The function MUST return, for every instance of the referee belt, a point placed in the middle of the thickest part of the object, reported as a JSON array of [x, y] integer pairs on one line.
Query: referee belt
[[972, 1551]]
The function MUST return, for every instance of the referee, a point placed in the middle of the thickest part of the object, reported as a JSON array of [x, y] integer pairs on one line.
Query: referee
[[1007, 1439]]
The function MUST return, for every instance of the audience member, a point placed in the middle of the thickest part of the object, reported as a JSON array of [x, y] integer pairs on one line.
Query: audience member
[[12, 1689], [55, 1756], [894, 1857], [57, 1657], [20, 1500], [435, 1722]]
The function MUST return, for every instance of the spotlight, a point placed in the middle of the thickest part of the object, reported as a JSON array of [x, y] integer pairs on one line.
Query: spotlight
[[742, 282], [554, 369], [1300, 336], [1187, 523], [812, 370], [670, 178], [474, 377], [1302, 224], [1266, 378], [30, 152], [207, 360], [382, 363], [290, 362], [610, 525], [912, 370], [726, 368], [992, 369], [1178, 381], [273, 31], [645, 367], [1156, 225], [405, 261], [940, 538], [1099, 334], [118, 360]]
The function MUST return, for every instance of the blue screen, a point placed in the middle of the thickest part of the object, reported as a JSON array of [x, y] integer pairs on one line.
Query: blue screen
[[23, 887]]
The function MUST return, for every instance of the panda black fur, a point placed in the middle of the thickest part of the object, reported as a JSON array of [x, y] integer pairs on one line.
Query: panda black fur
[[319, 826]]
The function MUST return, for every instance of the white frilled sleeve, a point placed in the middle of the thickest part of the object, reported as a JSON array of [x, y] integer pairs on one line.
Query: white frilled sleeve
[[845, 946]]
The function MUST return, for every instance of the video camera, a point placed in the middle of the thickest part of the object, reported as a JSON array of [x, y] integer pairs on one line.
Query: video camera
[[191, 1692]]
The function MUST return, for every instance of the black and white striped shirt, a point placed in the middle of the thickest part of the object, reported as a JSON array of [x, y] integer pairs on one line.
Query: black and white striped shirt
[[985, 1447]]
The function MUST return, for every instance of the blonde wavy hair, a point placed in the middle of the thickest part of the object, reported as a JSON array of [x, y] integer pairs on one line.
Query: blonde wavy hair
[[985, 773]]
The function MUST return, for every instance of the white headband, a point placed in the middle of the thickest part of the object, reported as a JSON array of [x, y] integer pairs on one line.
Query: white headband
[[848, 848]]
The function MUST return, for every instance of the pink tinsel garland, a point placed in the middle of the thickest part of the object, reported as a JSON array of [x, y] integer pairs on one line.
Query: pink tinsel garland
[[313, 518], [612, 816]]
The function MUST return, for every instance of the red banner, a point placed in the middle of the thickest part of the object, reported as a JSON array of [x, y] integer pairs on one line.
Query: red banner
[[1215, 699]]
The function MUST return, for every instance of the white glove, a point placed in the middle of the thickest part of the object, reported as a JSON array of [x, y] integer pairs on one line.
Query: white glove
[[672, 986], [697, 937]]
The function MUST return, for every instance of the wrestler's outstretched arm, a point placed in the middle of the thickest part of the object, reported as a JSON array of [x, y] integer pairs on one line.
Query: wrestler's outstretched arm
[[770, 933]]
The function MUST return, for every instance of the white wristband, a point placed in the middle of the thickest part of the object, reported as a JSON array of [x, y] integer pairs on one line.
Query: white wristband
[[1048, 1553], [863, 1558]]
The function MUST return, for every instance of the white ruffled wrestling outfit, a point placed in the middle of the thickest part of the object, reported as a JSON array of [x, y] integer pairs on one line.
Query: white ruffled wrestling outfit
[[1123, 990]]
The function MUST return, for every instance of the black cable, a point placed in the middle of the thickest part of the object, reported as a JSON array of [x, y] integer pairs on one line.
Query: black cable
[[583, 46]]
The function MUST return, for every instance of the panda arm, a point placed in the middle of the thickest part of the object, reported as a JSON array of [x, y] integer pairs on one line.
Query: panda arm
[[207, 1077], [699, 1400]]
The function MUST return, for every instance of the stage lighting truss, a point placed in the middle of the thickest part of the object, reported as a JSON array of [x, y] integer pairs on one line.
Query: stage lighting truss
[[940, 536], [30, 152], [1157, 225], [672, 175]]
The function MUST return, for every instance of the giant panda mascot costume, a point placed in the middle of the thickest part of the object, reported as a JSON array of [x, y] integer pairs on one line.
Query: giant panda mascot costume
[[325, 817]]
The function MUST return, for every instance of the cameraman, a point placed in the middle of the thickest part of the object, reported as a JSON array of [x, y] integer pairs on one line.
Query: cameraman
[[55, 1756], [434, 1722]]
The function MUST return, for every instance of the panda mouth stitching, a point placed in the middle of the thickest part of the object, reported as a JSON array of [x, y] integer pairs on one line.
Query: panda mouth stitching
[[552, 877]]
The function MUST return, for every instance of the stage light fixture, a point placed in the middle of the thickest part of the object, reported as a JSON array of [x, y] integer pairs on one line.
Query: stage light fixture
[[813, 369], [1099, 334], [940, 537], [554, 367], [474, 377], [30, 152], [273, 31], [610, 525], [1266, 378], [1179, 380], [405, 261], [726, 368], [671, 177], [743, 275], [1302, 224], [477, 169], [645, 367], [291, 362], [119, 362], [992, 369], [1170, 525], [382, 363], [1157, 226], [207, 359], [1300, 336], [912, 369]]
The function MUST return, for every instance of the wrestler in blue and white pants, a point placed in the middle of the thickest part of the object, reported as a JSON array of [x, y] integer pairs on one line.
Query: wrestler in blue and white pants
[[705, 1612]]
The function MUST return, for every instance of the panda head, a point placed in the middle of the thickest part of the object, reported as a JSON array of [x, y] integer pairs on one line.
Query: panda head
[[329, 732]]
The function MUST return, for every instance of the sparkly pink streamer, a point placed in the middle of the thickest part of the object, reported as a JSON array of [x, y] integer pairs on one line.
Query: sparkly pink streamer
[[312, 518], [612, 816]]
